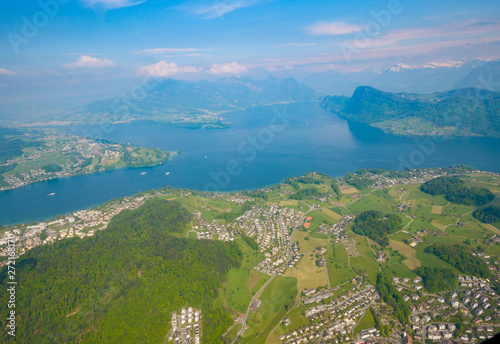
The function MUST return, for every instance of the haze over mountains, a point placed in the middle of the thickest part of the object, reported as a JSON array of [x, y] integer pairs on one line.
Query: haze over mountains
[[200, 103], [187, 103], [436, 76]]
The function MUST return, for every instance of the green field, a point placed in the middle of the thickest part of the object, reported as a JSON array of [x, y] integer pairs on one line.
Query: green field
[[366, 262], [366, 322], [298, 320], [276, 299], [235, 294], [336, 261]]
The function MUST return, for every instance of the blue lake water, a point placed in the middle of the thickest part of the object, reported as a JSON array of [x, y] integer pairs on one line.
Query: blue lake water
[[264, 146]]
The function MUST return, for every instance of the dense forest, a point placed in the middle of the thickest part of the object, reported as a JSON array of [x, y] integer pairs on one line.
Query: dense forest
[[436, 279], [309, 179], [462, 109], [455, 190], [376, 225], [122, 284], [461, 258], [391, 296], [52, 168], [487, 214], [305, 193]]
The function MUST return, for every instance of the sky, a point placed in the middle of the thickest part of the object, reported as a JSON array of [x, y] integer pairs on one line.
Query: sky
[[78, 47]]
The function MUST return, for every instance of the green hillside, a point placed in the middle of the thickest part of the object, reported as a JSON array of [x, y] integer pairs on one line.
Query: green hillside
[[464, 112]]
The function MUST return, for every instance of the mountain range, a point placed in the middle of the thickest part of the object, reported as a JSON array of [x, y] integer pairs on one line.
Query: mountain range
[[462, 112], [438, 76], [187, 103]]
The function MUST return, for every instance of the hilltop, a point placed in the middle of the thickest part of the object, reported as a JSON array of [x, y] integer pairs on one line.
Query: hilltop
[[461, 112]]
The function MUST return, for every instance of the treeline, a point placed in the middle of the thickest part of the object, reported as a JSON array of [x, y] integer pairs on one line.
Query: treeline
[[461, 258], [435, 279], [232, 215], [357, 181], [52, 168], [309, 179], [391, 296], [257, 193], [455, 190], [375, 225], [121, 285], [308, 192], [251, 242], [487, 215]]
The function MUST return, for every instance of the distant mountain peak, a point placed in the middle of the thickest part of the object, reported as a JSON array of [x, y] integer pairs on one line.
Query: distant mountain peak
[[444, 63], [398, 67]]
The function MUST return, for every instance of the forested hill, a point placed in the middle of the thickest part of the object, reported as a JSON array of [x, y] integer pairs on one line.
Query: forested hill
[[121, 285], [467, 111]]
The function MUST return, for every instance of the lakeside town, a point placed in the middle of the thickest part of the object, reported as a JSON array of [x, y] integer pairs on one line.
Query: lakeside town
[[39, 155]]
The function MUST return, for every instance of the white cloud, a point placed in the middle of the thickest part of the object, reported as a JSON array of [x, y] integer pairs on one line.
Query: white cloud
[[164, 69], [295, 45], [333, 28], [112, 4], [227, 68], [4, 71], [444, 63], [278, 68], [90, 62], [164, 51], [219, 8]]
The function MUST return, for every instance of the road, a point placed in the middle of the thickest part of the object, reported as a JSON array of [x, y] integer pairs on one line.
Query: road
[[244, 322], [290, 243]]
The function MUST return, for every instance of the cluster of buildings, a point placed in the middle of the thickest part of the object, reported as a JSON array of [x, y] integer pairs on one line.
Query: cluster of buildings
[[80, 224], [338, 227], [186, 327], [206, 229], [76, 149], [271, 227], [474, 300], [333, 321]]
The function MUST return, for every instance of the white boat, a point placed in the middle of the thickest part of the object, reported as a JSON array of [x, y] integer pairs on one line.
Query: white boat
[[167, 173], [143, 173], [51, 194]]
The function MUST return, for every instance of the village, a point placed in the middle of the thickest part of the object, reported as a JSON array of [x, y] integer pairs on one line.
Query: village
[[186, 327], [83, 223], [69, 155]]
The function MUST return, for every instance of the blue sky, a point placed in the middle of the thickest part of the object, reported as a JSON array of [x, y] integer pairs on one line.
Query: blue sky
[[106, 42]]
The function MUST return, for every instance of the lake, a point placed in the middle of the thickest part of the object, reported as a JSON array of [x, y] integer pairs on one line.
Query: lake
[[264, 146]]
